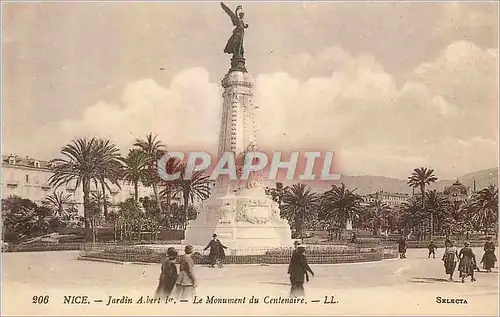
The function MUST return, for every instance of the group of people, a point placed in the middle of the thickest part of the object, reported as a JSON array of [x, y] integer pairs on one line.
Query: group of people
[[466, 259], [184, 281]]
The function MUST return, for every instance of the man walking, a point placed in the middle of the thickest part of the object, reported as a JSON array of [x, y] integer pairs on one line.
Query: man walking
[[217, 253]]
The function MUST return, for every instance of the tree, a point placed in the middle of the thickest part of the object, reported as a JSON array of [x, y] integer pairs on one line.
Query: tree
[[153, 149], [420, 178], [172, 166], [23, 219], [85, 162], [135, 169], [197, 186], [485, 206], [340, 205], [438, 206], [130, 214], [109, 167], [413, 215], [277, 193], [379, 212], [81, 164], [58, 202], [297, 204]]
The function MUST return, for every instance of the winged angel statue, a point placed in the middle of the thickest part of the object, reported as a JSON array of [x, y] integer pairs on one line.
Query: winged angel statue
[[235, 43]]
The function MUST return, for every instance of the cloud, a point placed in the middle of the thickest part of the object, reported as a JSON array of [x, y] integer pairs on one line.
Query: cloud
[[442, 117], [377, 127], [185, 114]]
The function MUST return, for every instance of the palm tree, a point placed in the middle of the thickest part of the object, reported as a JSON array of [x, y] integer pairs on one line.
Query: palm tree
[[420, 178], [198, 186], [173, 165], [95, 212], [153, 149], [81, 164], [342, 205], [277, 193], [100, 200], [379, 212], [85, 162], [438, 206], [297, 204], [485, 206], [109, 167], [412, 214], [57, 202], [135, 169]]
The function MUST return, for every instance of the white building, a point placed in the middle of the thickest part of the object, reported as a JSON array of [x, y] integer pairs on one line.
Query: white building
[[390, 199], [29, 178]]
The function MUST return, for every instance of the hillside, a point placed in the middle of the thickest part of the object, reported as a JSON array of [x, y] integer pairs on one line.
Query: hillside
[[368, 184]]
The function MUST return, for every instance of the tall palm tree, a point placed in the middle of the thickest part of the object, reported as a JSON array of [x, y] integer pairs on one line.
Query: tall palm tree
[[420, 178], [297, 203], [80, 164], [135, 169], [153, 149], [342, 205], [198, 186], [109, 167], [485, 205], [86, 161], [58, 202]]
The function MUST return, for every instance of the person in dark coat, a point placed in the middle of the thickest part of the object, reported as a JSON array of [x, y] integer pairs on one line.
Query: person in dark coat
[[168, 275], [489, 257], [467, 262], [432, 249], [294, 252], [298, 269], [402, 247], [217, 253]]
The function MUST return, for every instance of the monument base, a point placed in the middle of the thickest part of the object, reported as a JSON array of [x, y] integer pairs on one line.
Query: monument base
[[245, 220]]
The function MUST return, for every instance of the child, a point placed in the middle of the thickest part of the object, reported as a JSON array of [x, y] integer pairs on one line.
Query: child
[[432, 250]]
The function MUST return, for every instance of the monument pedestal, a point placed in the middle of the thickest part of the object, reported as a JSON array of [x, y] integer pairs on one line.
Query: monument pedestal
[[243, 216], [247, 219]]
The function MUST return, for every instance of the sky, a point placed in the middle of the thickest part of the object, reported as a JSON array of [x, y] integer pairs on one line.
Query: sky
[[388, 86]]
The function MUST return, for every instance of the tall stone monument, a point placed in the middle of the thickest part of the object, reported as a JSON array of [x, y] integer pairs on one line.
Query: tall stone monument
[[240, 213]]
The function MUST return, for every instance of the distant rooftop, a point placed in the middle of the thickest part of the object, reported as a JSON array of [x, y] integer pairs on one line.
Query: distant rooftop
[[26, 161]]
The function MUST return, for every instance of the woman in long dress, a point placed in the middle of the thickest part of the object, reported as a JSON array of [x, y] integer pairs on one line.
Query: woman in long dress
[[467, 262], [186, 282], [168, 276], [450, 257], [489, 257]]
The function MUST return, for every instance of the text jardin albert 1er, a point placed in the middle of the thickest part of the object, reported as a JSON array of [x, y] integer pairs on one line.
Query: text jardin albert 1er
[[254, 161]]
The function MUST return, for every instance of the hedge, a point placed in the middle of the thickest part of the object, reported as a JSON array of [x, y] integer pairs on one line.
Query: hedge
[[315, 255]]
